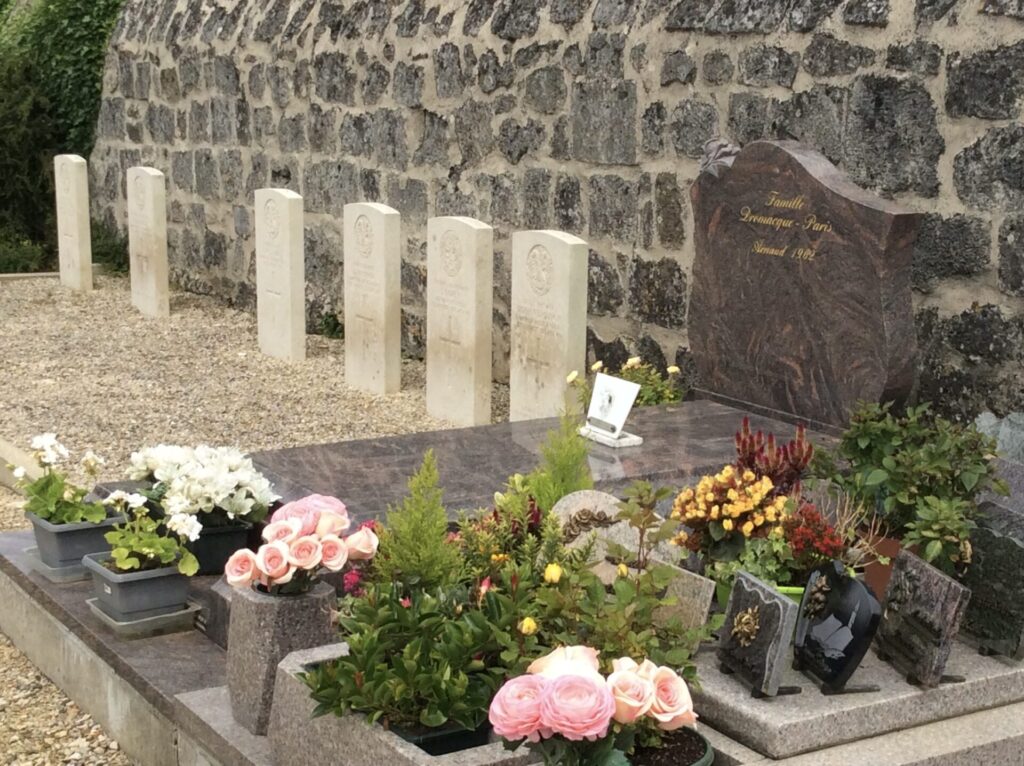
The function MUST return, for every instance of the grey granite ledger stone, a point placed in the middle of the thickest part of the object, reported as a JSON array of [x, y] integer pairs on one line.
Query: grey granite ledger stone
[[920, 619], [298, 738], [754, 643], [263, 629]]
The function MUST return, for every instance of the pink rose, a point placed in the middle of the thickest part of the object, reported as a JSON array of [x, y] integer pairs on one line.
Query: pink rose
[[334, 552], [240, 570], [577, 707], [567, 660], [309, 509], [672, 705], [362, 544], [286, 577], [515, 709], [305, 553], [284, 530], [633, 695], [272, 560], [646, 669]]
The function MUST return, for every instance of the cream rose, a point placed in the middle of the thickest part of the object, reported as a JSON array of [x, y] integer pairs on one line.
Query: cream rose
[[305, 552], [240, 570], [633, 695], [285, 530], [334, 552], [645, 669], [362, 544], [567, 660], [672, 707]]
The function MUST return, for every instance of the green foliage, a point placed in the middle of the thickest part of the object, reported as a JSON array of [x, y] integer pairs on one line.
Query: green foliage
[[563, 468], [942, 531], [331, 326], [655, 388], [141, 543], [423, 660], [413, 544], [53, 498], [768, 558], [20, 255], [896, 463], [109, 247]]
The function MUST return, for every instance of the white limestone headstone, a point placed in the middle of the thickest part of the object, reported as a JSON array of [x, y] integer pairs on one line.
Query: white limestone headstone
[[460, 266], [74, 244], [280, 274], [549, 321], [373, 263], [147, 241]]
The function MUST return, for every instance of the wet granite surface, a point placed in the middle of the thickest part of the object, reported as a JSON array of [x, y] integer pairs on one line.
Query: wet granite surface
[[680, 441]]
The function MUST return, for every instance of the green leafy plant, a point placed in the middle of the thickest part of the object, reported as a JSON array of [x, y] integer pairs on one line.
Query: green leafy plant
[[655, 387], [942, 531], [142, 543], [563, 468], [419, 660], [19, 254], [110, 247], [52, 496], [331, 326], [414, 548]]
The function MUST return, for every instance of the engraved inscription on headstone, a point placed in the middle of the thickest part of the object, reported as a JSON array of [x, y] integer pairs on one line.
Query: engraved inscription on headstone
[[838, 618], [74, 243], [823, 265], [460, 265], [754, 641], [147, 241], [549, 318], [280, 274], [920, 619], [372, 297]]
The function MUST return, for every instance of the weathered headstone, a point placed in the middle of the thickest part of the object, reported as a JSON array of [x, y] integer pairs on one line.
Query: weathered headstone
[[837, 620], [589, 512], [549, 321], [147, 241], [280, 274], [74, 244], [995, 613], [801, 295], [920, 619], [460, 266], [373, 264], [754, 641]]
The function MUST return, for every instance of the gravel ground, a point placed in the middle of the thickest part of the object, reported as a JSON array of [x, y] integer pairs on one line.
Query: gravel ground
[[91, 369]]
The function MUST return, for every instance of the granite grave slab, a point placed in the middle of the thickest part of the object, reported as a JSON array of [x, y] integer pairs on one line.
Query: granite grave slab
[[823, 266]]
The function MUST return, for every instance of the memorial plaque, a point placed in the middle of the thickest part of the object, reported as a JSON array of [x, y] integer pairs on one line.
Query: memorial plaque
[[920, 619], [280, 275], [74, 244], [801, 284], [754, 641], [995, 613], [373, 264], [147, 241], [838, 618], [549, 322], [460, 299]]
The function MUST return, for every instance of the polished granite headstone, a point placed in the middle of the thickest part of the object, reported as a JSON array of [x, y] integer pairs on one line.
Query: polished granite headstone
[[754, 641], [838, 618], [821, 269], [920, 619], [995, 613]]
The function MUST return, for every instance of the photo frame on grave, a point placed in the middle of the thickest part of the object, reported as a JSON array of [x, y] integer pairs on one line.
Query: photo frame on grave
[[610, 404], [837, 621], [755, 638], [920, 620]]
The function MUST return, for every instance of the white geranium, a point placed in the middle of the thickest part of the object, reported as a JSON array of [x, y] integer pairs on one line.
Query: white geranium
[[20, 473], [48, 451], [185, 525], [91, 462], [131, 499]]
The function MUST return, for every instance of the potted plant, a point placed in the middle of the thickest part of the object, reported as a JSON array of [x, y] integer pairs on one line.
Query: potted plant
[[209, 495], [922, 474], [655, 387], [65, 524], [567, 712], [146, 572], [280, 605]]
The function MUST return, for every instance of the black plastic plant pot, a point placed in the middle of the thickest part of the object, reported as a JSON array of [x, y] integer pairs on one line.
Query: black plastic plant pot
[[129, 596], [445, 739], [64, 545], [216, 544]]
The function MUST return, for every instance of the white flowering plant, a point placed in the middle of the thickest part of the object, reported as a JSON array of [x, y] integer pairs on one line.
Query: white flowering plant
[[51, 496], [202, 486], [141, 543]]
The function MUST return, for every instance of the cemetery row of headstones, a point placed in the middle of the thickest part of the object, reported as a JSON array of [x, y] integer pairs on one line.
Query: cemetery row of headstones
[[548, 304]]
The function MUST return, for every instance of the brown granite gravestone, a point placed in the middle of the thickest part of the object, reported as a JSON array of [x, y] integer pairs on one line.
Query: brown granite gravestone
[[801, 284]]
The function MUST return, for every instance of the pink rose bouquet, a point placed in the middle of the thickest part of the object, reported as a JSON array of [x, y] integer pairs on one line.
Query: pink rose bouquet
[[301, 539], [571, 714]]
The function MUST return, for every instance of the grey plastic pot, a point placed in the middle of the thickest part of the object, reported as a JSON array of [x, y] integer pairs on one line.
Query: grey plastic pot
[[128, 596], [64, 545]]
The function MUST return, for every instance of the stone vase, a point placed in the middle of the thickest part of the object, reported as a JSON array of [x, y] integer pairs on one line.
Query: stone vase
[[262, 630]]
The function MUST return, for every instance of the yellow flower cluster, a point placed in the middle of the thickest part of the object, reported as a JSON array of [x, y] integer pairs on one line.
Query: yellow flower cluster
[[738, 500]]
